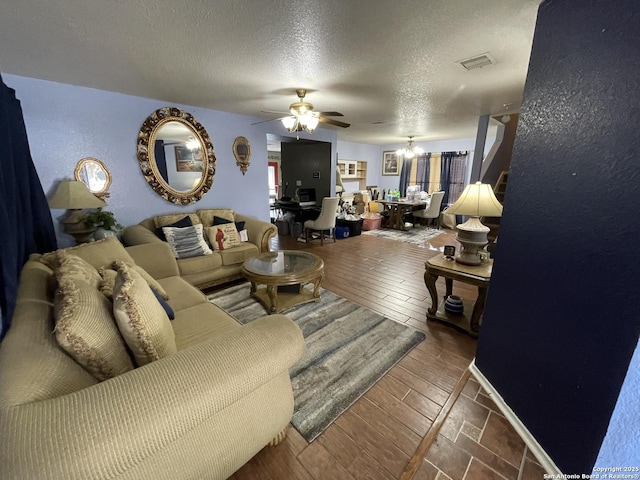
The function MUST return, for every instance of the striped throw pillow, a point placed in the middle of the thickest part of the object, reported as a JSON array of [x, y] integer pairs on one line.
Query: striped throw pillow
[[186, 242]]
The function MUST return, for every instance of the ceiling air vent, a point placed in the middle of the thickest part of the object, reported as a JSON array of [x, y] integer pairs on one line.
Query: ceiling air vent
[[478, 61]]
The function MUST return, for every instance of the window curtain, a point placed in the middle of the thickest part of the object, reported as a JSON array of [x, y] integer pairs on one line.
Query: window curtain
[[452, 174], [415, 172], [422, 171], [25, 219], [405, 176]]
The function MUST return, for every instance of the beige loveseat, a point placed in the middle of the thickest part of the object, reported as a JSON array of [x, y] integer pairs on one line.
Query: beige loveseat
[[199, 413], [217, 268]]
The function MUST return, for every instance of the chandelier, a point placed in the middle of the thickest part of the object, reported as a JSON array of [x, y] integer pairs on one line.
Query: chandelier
[[410, 150]]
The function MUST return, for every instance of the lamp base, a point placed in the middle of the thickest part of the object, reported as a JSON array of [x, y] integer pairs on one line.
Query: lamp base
[[74, 226], [473, 236]]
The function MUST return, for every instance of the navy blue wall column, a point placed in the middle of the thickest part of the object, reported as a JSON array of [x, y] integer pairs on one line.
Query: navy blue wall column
[[563, 312]]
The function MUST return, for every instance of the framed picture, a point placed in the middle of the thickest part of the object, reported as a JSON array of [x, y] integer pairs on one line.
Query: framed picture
[[449, 251], [390, 163], [188, 160]]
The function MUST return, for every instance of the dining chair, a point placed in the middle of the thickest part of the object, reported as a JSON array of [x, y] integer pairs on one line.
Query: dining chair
[[325, 221], [432, 211]]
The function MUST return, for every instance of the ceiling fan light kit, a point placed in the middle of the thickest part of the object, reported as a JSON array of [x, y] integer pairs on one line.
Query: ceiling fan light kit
[[302, 117]]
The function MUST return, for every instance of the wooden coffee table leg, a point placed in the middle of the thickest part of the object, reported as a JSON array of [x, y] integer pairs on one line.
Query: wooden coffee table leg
[[478, 308], [430, 282], [272, 291], [316, 285], [253, 287]]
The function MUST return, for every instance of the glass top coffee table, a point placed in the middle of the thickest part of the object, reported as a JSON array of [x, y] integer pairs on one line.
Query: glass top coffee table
[[284, 274]]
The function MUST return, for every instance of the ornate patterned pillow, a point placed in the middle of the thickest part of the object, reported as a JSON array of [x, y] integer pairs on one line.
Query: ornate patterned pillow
[[108, 281], [86, 330], [141, 319], [224, 236], [187, 242], [207, 215], [72, 266]]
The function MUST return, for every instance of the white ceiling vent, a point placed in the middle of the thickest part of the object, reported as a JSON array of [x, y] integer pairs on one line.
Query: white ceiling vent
[[477, 61]]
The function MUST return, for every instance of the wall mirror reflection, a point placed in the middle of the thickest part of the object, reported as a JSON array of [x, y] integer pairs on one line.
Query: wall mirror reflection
[[176, 156], [95, 175]]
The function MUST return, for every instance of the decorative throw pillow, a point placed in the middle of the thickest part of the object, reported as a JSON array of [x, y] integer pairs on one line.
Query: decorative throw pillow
[[184, 222], [223, 236], [168, 219], [167, 308], [85, 329], [141, 319], [221, 221], [187, 242], [72, 266], [207, 215], [98, 253], [108, 280]]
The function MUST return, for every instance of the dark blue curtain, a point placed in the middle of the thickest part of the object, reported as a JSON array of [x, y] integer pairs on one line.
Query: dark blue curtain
[[161, 161], [25, 220], [445, 175], [404, 176], [422, 171]]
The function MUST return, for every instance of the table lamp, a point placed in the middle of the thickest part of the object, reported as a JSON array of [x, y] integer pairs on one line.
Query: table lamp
[[74, 195], [477, 200]]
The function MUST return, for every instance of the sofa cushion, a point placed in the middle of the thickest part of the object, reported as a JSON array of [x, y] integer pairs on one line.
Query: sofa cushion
[[187, 242], [188, 266], [108, 280], [183, 222], [85, 329], [74, 267], [238, 255], [168, 219], [224, 236], [182, 294], [98, 253], [207, 215], [190, 328], [142, 321]]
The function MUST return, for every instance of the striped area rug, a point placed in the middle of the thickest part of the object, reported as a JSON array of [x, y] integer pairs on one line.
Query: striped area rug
[[416, 235], [349, 348]]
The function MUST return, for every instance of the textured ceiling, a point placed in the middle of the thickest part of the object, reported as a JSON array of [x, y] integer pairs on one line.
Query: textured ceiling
[[388, 66]]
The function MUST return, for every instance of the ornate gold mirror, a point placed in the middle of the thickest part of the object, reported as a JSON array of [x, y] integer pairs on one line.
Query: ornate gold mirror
[[95, 175], [176, 156], [242, 152]]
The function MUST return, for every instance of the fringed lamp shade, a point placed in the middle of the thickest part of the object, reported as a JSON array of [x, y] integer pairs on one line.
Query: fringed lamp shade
[[477, 200]]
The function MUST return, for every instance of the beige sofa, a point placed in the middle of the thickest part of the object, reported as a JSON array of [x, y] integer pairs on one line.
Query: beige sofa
[[199, 413], [219, 267]]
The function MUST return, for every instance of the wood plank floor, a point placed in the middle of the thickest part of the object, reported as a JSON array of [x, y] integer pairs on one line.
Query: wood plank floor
[[425, 419]]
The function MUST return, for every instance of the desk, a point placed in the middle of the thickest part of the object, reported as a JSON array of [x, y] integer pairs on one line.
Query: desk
[[472, 275], [397, 211], [300, 213]]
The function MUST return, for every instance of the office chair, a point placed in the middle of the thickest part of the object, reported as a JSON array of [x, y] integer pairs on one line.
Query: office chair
[[326, 220]]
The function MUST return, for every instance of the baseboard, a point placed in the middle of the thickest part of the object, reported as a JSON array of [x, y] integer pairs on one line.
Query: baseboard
[[516, 423]]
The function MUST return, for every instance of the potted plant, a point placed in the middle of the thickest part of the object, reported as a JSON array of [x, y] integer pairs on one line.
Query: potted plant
[[104, 222]]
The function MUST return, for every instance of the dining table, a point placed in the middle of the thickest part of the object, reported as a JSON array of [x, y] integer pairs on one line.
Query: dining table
[[395, 210]]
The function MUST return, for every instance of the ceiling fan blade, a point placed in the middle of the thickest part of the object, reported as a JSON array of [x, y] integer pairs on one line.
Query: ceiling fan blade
[[273, 111], [331, 121], [264, 121], [331, 114]]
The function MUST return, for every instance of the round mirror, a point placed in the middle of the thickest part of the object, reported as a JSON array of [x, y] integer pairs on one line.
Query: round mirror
[[176, 156], [242, 152], [95, 175]]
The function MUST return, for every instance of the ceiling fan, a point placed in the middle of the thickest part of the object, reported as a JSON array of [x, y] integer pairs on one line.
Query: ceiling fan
[[302, 117]]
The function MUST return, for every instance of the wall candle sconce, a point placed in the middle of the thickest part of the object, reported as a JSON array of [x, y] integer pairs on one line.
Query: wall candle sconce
[[242, 152]]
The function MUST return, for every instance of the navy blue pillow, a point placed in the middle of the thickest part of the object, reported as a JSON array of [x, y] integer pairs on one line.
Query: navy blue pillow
[[184, 222], [221, 221], [167, 308]]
